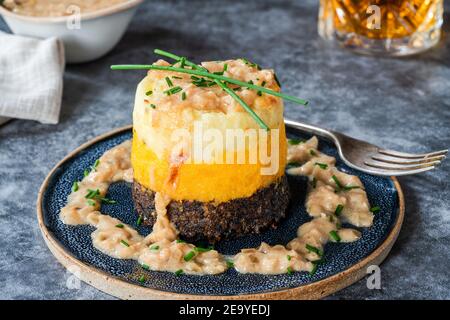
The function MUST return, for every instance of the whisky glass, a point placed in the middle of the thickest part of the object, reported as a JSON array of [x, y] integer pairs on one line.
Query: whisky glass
[[385, 27]]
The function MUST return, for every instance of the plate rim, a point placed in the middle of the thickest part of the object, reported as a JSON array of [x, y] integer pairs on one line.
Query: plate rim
[[122, 289]]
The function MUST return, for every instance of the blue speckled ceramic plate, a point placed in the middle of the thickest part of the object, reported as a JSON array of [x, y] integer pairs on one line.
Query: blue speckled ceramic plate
[[344, 264]]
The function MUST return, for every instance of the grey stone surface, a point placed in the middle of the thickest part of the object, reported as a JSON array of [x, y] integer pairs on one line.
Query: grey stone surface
[[402, 104]]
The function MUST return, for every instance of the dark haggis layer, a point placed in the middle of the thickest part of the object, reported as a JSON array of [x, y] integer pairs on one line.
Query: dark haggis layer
[[200, 221]]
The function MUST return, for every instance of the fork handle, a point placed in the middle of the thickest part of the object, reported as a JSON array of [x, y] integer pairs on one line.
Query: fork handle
[[312, 129]]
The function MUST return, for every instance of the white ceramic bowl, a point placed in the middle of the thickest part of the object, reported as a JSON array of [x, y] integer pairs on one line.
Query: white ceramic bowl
[[99, 31]]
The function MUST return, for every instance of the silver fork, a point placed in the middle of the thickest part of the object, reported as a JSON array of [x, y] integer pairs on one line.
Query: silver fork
[[369, 158]]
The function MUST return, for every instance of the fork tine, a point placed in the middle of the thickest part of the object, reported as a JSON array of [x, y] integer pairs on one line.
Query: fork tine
[[398, 154], [382, 172], [399, 167], [389, 159]]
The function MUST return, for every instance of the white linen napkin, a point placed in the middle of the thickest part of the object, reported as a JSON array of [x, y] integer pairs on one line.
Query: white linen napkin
[[31, 78]]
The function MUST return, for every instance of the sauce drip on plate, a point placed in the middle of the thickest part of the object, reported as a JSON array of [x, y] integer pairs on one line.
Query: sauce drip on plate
[[333, 196]]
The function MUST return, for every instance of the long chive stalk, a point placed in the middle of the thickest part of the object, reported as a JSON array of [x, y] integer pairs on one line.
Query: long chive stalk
[[211, 76], [177, 58], [219, 83], [243, 104]]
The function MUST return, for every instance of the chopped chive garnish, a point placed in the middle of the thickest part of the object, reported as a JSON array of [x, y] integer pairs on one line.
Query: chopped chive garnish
[[312, 152], [375, 209], [124, 243], [173, 90], [92, 194], [251, 64], [95, 194], [294, 164], [339, 209], [338, 183], [180, 241], [225, 67], [314, 269], [259, 93], [75, 186], [169, 82], [250, 82], [311, 248], [139, 221], [152, 106], [91, 202], [340, 187], [294, 141], [334, 235], [119, 225], [154, 247], [183, 96], [202, 82], [289, 270], [314, 182], [176, 77], [200, 249], [289, 257], [347, 188], [323, 166], [93, 168], [316, 265], [245, 60], [230, 264], [145, 266], [179, 272], [149, 93], [188, 256], [108, 201], [182, 62], [142, 279]]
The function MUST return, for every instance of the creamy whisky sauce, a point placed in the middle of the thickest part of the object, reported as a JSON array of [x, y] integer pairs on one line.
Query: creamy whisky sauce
[[322, 199], [324, 195], [162, 251], [56, 8], [270, 260]]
